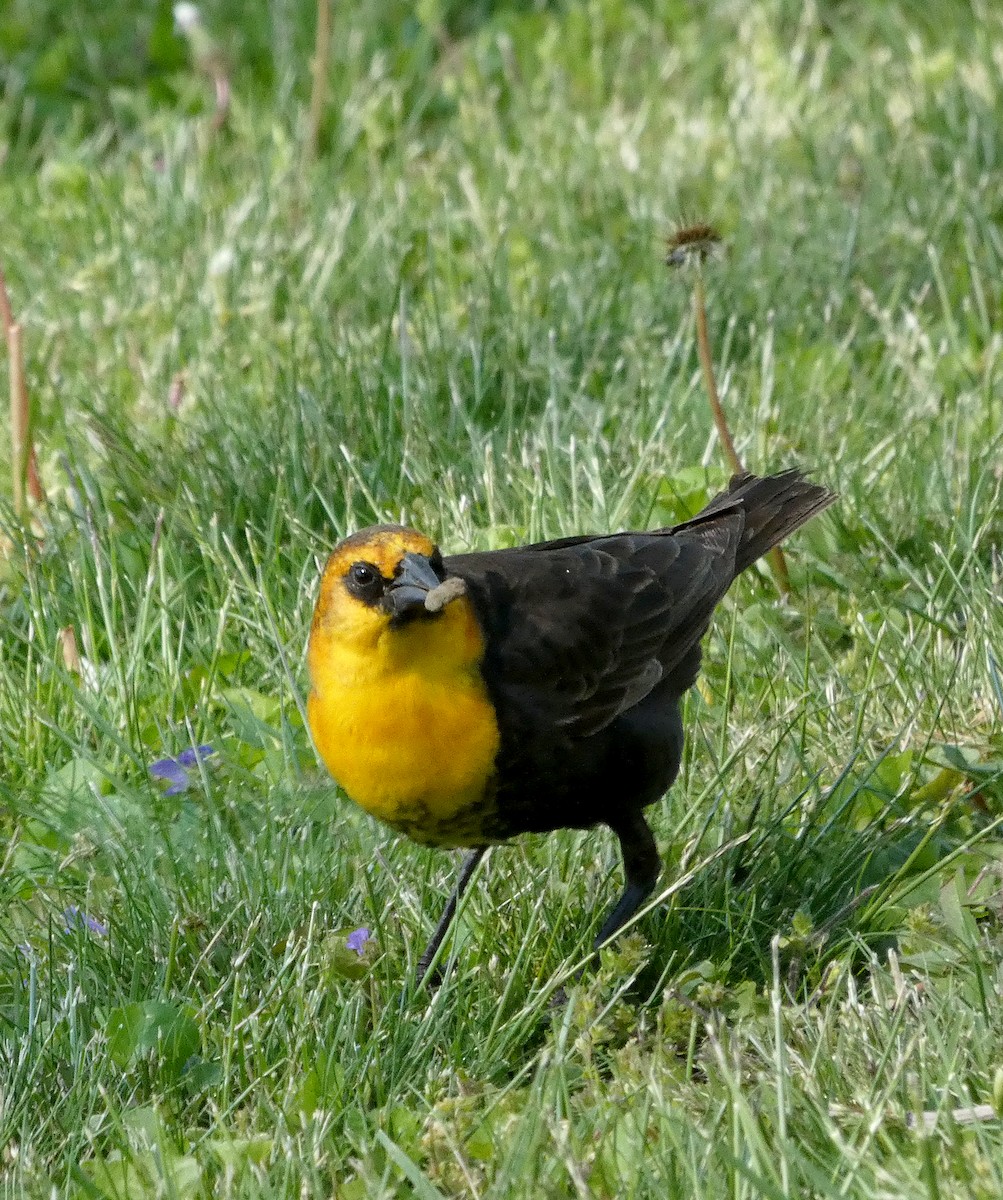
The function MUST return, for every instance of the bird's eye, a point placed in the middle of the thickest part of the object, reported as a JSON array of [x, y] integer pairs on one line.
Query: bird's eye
[[365, 581]]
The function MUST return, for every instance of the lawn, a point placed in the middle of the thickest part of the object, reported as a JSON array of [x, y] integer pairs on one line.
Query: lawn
[[446, 302]]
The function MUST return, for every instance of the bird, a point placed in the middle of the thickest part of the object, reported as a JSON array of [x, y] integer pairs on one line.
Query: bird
[[469, 698]]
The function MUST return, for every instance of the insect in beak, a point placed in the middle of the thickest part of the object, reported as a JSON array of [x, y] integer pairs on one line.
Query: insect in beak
[[406, 596]]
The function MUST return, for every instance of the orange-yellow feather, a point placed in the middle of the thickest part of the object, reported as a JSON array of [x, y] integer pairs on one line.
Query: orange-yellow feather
[[400, 715]]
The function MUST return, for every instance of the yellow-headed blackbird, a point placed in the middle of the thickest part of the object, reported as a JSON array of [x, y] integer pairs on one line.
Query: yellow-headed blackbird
[[466, 699]]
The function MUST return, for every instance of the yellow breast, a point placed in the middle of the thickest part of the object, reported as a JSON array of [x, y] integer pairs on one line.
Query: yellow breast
[[403, 721]]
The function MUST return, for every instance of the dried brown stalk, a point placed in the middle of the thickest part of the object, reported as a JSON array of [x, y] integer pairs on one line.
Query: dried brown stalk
[[710, 382], [24, 465], [693, 245], [320, 68]]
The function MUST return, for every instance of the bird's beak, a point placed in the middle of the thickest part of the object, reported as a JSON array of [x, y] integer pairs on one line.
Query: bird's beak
[[406, 595]]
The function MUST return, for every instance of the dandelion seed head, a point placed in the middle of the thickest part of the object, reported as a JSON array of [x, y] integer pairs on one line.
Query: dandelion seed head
[[692, 242]]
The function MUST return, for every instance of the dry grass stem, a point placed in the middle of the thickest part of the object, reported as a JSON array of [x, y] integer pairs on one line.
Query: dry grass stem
[[320, 67], [24, 466]]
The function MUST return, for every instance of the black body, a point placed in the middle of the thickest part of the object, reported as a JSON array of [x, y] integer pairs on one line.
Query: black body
[[590, 644]]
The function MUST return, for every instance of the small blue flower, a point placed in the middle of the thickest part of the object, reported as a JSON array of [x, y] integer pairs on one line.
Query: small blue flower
[[74, 918], [357, 939], [178, 771]]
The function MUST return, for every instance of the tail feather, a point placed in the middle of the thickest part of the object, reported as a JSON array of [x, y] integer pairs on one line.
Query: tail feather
[[773, 507]]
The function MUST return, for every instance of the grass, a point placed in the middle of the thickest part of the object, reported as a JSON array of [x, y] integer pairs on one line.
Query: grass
[[458, 315]]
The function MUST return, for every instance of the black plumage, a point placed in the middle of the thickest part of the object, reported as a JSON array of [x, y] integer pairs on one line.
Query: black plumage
[[590, 644]]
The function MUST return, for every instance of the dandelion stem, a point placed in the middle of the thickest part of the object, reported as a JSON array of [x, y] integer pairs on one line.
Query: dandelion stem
[[778, 564], [710, 383]]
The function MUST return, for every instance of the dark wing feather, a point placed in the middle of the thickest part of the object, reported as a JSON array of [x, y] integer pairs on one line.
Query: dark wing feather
[[584, 632], [581, 629]]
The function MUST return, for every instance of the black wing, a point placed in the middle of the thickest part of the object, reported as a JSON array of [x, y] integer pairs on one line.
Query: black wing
[[579, 633], [581, 629]]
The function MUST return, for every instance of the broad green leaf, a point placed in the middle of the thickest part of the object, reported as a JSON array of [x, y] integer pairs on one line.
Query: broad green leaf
[[152, 1026]]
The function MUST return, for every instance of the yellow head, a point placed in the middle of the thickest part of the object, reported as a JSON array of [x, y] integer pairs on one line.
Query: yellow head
[[397, 706], [384, 596]]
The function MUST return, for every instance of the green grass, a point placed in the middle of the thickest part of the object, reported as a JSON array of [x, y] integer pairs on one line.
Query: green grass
[[459, 316]]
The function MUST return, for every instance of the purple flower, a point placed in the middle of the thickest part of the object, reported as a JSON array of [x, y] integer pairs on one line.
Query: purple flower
[[357, 939], [74, 918], [178, 771]]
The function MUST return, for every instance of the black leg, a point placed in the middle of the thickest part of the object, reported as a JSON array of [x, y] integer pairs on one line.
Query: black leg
[[468, 868], [641, 868]]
